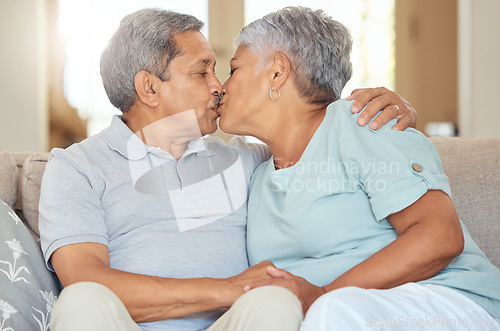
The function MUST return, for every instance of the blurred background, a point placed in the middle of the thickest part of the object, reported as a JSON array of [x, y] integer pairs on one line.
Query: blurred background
[[440, 55]]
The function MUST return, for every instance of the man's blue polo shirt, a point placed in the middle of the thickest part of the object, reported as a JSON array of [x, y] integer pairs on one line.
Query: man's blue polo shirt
[[156, 215]]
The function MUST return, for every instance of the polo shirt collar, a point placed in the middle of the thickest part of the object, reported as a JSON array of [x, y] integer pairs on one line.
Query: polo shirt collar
[[119, 138], [199, 146]]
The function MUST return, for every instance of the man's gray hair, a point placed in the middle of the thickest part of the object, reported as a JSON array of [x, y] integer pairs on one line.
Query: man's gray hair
[[318, 48], [143, 41]]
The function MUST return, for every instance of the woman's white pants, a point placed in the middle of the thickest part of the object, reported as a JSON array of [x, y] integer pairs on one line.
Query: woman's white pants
[[408, 307]]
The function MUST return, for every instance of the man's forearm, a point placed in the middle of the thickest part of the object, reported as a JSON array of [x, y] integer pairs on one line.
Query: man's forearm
[[149, 298]]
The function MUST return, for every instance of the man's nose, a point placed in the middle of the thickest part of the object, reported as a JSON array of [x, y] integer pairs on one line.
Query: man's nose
[[215, 86]]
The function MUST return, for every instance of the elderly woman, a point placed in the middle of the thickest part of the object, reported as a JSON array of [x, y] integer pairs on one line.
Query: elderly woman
[[360, 222]]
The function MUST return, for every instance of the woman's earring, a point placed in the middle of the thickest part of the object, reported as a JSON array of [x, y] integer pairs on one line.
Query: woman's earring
[[271, 94]]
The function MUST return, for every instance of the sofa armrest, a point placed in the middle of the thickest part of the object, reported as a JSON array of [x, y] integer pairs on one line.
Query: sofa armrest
[[8, 178], [31, 179]]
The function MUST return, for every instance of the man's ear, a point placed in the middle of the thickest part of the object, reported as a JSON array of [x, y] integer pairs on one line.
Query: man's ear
[[147, 88], [280, 70]]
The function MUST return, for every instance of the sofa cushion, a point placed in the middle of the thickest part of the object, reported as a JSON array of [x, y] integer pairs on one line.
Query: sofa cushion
[[473, 168], [8, 178], [31, 179], [28, 288]]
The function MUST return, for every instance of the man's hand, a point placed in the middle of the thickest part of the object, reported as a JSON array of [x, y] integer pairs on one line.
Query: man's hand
[[233, 287], [305, 291], [390, 103], [252, 274]]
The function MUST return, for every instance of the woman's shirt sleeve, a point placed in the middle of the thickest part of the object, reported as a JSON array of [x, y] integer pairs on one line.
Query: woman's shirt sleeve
[[394, 168]]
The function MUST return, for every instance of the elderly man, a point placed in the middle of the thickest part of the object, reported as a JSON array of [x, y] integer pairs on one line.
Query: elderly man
[[145, 222]]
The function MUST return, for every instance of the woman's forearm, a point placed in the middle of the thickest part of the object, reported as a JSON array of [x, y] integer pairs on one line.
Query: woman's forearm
[[413, 257], [429, 238]]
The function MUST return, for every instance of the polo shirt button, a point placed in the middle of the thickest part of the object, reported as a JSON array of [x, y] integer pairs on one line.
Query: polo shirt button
[[417, 167]]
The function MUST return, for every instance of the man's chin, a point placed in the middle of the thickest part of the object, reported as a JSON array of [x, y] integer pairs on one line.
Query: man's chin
[[210, 129]]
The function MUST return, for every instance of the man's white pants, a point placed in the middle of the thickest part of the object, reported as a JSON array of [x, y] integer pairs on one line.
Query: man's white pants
[[407, 307], [90, 306]]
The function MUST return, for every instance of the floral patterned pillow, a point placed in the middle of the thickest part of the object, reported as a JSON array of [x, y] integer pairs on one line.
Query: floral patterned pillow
[[28, 290]]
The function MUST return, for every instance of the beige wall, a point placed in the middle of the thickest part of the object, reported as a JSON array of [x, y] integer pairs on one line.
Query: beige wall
[[426, 58], [23, 83], [479, 60], [426, 39], [226, 20], [447, 62]]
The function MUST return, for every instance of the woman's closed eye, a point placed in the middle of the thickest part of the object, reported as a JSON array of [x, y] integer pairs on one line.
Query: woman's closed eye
[[232, 71]]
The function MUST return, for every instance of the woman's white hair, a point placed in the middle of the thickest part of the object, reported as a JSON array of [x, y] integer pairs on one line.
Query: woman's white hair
[[318, 48], [144, 41]]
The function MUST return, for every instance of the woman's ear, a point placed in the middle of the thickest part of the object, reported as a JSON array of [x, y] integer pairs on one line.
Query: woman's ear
[[281, 70], [147, 88]]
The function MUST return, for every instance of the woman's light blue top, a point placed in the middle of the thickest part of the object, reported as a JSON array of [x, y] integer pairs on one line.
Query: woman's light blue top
[[328, 212]]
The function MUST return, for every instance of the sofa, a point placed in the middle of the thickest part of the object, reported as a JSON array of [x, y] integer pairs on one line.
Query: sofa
[[471, 164]]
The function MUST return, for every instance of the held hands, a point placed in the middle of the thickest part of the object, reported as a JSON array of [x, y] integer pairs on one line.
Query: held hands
[[305, 291], [251, 275], [391, 104]]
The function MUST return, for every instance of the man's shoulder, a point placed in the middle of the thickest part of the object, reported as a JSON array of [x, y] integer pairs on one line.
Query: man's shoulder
[[80, 154]]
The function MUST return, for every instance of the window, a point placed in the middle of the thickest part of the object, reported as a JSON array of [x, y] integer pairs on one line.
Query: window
[[372, 28]]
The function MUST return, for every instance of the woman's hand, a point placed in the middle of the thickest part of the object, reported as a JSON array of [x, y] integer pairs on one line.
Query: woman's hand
[[390, 103], [305, 291]]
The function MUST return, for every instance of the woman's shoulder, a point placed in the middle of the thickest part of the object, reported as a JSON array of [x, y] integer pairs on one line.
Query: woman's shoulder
[[343, 122], [353, 141], [340, 109], [340, 114]]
